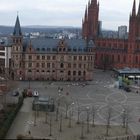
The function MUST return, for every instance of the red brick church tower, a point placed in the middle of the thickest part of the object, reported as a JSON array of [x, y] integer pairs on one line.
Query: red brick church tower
[[90, 22], [113, 52]]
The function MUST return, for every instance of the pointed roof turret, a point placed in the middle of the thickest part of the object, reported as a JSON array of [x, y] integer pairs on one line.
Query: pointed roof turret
[[88, 3], [86, 14], [134, 9], [17, 28], [139, 10], [94, 2]]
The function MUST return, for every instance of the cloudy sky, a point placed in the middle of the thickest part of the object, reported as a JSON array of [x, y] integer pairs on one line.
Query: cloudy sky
[[63, 12]]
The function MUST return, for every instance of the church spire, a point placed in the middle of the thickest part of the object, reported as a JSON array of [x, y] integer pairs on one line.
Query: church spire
[[86, 14], [17, 28], [134, 9], [139, 10], [94, 2]]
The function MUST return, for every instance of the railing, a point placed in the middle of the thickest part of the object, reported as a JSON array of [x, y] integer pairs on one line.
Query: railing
[[128, 137]]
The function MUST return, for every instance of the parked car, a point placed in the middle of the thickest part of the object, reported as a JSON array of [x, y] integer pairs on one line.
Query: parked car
[[35, 93], [15, 93], [127, 89]]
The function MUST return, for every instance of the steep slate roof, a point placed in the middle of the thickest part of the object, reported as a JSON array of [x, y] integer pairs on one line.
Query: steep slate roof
[[17, 28], [43, 45]]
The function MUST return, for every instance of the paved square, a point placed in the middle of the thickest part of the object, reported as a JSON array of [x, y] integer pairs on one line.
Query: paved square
[[99, 93]]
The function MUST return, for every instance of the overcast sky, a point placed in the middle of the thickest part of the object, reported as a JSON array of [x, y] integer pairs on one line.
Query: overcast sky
[[63, 12]]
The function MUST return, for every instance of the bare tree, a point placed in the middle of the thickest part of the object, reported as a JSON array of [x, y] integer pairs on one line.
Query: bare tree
[[93, 115], [126, 116]]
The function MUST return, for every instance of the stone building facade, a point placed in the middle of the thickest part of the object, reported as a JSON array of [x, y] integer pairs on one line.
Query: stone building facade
[[113, 53], [51, 59]]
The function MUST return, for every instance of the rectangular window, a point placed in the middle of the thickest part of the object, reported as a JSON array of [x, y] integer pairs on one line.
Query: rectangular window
[[75, 57], [43, 57], [48, 57], [2, 53], [54, 57], [38, 57], [84, 57], [74, 65], [43, 65], [80, 57], [30, 65], [37, 64], [69, 65], [30, 57], [53, 65], [80, 65], [48, 65]]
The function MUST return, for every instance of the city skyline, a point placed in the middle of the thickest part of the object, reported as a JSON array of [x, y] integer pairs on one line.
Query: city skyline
[[64, 13]]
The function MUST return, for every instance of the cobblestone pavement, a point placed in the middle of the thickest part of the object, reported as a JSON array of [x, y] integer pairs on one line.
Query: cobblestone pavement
[[99, 93]]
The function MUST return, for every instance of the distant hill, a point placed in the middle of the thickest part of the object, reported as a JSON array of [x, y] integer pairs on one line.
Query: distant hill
[[7, 30]]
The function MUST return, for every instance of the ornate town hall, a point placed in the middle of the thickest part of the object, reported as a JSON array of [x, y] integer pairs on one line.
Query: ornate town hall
[[113, 53], [50, 59]]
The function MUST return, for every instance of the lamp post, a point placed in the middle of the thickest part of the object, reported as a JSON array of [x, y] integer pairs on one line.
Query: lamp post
[[60, 126], [93, 116], [70, 115], [87, 109], [35, 113], [57, 109], [82, 130], [66, 112], [78, 112], [138, 76], [46, 114], [50, 125]]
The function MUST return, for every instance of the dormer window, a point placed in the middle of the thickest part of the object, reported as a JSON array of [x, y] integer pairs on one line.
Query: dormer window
[[43, 49], [38, 49], [74, 50], [48, 49]]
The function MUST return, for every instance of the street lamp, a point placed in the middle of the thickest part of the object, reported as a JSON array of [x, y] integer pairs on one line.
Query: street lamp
[[50, 125], [66, 113], [87, 109], [35, 114], [138, 76], [82, 130], [46, 114], [93, 116], [60, 126], [70, 115], [78, 113], [57, 109]]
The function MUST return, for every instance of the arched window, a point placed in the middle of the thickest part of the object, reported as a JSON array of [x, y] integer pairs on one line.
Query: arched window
[[74, 73], [69, 73], [84, 73], [79, 73], [136, 59], [61, 65]]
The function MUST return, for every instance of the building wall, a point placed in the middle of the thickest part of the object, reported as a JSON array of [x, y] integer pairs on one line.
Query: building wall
[[58, 65], [116, 53]]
